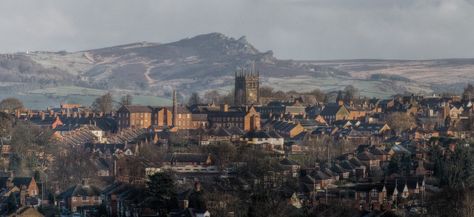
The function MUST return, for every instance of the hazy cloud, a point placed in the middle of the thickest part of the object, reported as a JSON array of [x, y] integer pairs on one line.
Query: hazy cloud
[[298, 29]]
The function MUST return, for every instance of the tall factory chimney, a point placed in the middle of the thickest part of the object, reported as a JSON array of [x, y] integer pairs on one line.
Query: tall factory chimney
[[175, 108]]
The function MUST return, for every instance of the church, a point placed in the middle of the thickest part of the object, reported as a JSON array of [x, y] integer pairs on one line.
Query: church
[[247, 88]]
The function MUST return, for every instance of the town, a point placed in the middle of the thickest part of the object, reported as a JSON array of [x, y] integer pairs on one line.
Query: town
[[256, 151]]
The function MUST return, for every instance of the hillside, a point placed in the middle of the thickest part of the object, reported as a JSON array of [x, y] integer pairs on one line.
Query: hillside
[[208, 61]]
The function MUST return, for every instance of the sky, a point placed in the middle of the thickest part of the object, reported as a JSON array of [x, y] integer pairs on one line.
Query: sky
[[292, 29]]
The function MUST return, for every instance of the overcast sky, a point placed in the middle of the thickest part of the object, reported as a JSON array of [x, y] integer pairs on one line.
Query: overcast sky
[[293, 29]]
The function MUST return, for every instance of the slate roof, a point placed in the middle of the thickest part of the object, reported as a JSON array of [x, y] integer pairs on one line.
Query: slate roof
[[186, 157], [105, 148], [79, 191], [288, 162], [330, 109], [17, 181], [102, 123], [366, 156], [219, 132], [370, 127], [262, 134], [137, 108]]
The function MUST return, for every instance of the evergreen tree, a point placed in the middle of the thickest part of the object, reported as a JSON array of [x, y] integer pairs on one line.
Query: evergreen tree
[[162, 189]]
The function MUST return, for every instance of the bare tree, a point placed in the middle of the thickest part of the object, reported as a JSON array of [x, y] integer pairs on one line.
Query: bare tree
[[194, 99], [399, 121], [71, 167], [10, 104], [350, 93], [6, 124], [223, 153], [103, 103], [126, 100], [266, 91], [318, 94], [468, 92], [212, 96]]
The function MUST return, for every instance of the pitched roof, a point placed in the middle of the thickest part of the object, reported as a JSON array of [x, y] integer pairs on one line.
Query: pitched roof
[[366, 156], [17, 181], [79, 191], [137, 108], [186, 157], [330, 109], [262, 134]]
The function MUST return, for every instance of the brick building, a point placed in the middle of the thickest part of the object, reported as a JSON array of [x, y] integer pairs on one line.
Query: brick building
[[134, 116]]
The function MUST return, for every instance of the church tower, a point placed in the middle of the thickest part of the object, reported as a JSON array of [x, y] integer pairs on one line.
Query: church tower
[[247, 87]]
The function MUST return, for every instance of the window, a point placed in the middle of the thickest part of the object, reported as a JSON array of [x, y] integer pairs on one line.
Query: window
[[374, 193], [84, 198]]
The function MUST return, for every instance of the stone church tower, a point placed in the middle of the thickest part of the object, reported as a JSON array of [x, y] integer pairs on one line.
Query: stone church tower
[[247, 87]]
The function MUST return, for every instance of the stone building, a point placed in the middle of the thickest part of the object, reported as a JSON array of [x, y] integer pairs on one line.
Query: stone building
[[247, 88]]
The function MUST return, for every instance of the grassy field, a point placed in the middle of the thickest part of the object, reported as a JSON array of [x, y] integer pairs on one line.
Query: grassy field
[[68, 90], [53, 97]]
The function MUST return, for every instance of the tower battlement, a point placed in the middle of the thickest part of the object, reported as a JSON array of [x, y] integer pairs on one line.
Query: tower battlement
[[247, 87]]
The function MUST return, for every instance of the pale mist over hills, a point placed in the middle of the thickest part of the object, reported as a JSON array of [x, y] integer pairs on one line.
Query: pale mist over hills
[[207, 62]]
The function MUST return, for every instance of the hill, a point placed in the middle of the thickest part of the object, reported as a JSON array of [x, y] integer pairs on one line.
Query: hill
[[208, 61]]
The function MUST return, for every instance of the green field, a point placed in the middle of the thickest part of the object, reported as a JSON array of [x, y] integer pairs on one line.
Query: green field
[[53, 97]]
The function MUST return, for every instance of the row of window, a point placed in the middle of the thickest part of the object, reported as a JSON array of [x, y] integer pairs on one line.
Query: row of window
[[85, 198], [229, 119]]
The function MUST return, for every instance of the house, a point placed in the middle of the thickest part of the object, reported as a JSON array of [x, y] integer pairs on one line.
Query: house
[[271, 138], [26, 211], [189, 163], [291, 166], [377, 196], [370, 196], [81, 198], [133, 169], [109, 197], [369, 160], [285, 128], [29, 183], [243, 118], [334, 112], [215, 135], [134, 116]]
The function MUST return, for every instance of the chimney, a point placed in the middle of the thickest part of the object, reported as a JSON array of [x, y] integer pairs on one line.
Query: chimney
[[224, 107], [197, 186], [85, 182], [340, 102], [23, 192], [175, 109]]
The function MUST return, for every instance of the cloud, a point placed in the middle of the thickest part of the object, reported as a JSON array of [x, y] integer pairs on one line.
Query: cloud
[[297, 29]]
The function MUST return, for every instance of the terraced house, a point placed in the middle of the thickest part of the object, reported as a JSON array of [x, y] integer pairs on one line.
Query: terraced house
[[134, 116]]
